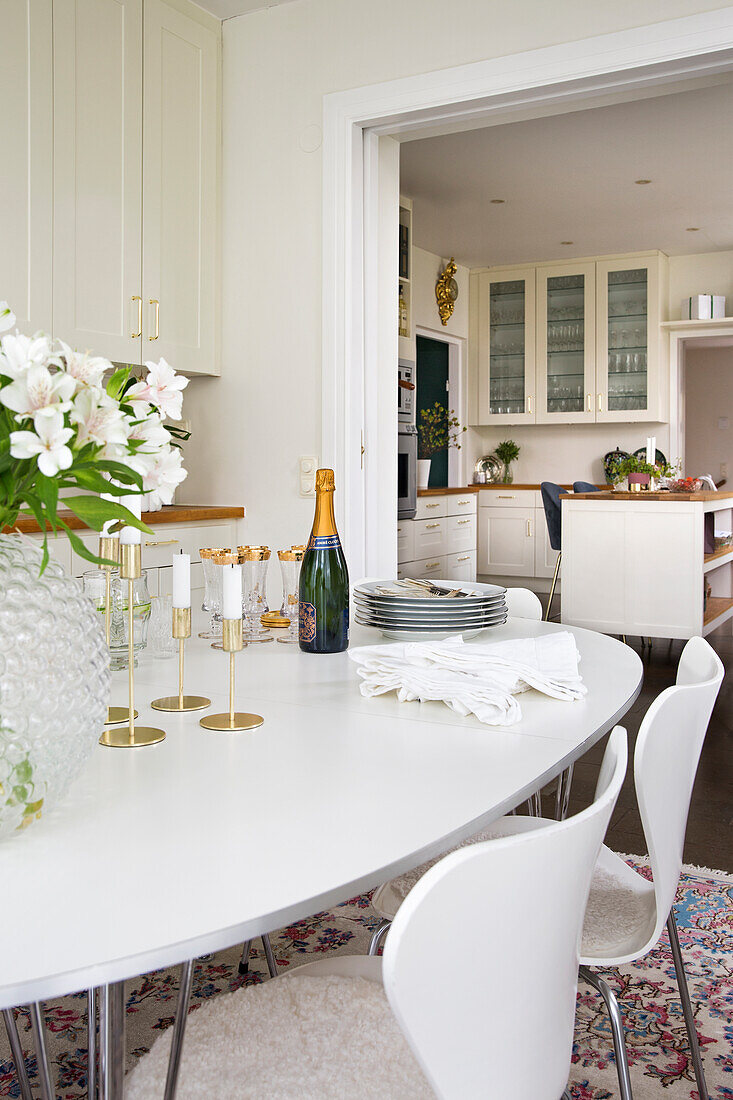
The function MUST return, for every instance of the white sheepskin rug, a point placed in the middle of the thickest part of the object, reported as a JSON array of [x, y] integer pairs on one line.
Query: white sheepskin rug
[[309, 1038]]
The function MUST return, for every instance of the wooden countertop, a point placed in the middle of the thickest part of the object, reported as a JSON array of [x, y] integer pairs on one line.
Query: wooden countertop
[[480, 488], [704, 494], [169, 513]]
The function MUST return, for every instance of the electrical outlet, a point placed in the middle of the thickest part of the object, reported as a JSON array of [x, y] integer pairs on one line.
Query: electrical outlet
[[307, 466], [723, 423], [724, 469]]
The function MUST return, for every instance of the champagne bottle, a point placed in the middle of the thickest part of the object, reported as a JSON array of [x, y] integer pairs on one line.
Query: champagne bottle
[[324, 579]]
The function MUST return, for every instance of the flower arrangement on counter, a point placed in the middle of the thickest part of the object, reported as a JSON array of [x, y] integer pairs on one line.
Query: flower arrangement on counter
[[439, 428], [62, 426], [633, 464], [507, 452]]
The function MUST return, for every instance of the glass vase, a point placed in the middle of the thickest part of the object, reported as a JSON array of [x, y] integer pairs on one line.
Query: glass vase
[[507, 476], [54, 682]]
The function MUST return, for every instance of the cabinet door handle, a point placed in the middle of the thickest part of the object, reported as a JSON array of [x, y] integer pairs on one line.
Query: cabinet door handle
[[590, 402], [464, 501], [138, 299], [600, 402], [432, 506], [529, 528], [505, 496], [460, 521], [428, 526], [156, 303], [464, 557], [432, 565], [529, 403], [162, 542]]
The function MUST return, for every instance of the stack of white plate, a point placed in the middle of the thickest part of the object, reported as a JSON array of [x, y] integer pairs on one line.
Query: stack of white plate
[[407, 616]]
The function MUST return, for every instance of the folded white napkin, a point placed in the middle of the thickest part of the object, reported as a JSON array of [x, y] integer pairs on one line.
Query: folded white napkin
[[474, 679]]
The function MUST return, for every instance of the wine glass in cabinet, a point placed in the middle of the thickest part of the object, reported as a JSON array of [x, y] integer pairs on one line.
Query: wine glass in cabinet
[[566, 318], [506, 342]]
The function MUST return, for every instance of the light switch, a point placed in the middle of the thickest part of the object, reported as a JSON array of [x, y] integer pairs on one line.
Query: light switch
[[307, 466], [723, 423]]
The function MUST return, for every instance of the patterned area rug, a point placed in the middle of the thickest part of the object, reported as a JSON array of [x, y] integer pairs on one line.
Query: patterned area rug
[[656, 1035]]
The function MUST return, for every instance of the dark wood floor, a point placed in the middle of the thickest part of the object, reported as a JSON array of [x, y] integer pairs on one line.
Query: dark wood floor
[[710, 826]]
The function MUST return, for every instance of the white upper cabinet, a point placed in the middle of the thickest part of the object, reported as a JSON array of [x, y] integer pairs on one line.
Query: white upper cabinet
[[180, 156], [566, 331], [26, 140], [571, 343], [98, 176]]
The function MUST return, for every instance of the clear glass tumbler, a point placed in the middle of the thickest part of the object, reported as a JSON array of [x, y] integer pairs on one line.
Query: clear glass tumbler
[[120, 618], [161, 642], [290, 561]]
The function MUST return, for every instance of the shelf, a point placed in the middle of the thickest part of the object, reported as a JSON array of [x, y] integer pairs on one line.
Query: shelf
[[565, 320], [627, 373], [717, 606], [566, 351], [627, 316], [718, 557], [507, 324], [507, 355], [404, 280]]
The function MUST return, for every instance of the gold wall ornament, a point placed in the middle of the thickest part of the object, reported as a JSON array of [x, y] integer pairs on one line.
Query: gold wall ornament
[[446, 291]]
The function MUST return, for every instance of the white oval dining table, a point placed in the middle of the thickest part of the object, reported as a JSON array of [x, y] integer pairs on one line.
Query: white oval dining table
[[160, 854]]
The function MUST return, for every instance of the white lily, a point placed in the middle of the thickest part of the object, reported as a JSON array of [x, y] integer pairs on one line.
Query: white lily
[[19, 352], [7, 317], [150, 432], [162, 388], [164, 477], [38, 391], [48, 443], [88, 370], [98, 417]]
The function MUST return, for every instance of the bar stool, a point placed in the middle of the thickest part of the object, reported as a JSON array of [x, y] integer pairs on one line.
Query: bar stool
[[553, 516]]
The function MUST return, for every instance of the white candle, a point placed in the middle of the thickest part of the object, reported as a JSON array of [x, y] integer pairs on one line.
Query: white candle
[[231, 593], [181, 580], [110, 522], [648, 448], [653, 450], [134, 505]]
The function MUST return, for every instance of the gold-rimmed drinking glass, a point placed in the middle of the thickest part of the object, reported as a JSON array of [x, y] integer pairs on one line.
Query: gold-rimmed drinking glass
[[255, 565], [290, 562], [210, 602]]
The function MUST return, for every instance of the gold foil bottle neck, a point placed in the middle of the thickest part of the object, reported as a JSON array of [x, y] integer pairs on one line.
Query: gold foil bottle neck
[[325, 481]]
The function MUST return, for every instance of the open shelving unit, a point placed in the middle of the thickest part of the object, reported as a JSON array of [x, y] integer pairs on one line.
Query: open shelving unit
[[718, 569]]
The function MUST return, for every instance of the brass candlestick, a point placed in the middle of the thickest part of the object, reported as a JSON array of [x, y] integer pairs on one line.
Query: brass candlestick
[[131, 736], [110, 548], [181, 702], [235, 720]]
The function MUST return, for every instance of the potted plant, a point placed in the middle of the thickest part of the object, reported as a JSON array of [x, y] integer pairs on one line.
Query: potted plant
[[439, 428], [639, 474], [507, 452], [69, 424]]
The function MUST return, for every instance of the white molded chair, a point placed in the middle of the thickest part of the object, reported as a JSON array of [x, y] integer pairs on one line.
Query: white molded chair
[[523, 604], [397, 1026], [626, 913]]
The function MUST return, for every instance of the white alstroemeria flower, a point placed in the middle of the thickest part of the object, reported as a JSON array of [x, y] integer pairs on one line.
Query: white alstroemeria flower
[[38, 391], [163, 478], [98, 417], [151, 433], [162, 389], [48, 442], [7, 317], [19, 352], [88, 370]]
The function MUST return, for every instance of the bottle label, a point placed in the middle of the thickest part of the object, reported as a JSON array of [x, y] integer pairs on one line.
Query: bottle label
[[324, 542], [307, 621]]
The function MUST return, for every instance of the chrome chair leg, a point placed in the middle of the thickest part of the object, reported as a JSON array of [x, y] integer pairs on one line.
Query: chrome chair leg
[[92, 1044], [534, 804], [562, 795], [38, 1028], [689, 1015], [244, 961], [112, 1040], [617, 1029], [16, 1049], [378, 935], [269, 956], [552, 587], [179, 1029]]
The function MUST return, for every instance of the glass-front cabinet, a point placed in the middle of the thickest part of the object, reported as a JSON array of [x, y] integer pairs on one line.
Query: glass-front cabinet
[[507, 324], [628, 352], [566, 314]]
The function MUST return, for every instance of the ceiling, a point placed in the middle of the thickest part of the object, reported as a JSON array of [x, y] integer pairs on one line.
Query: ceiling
[[227, 9], [571, 177]]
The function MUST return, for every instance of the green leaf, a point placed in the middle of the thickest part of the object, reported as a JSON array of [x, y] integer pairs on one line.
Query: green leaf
[[120, 473], [48, 492], [89, 479], [95, 512], [117, 383], [79, 548], [5, 459], [36, 508]]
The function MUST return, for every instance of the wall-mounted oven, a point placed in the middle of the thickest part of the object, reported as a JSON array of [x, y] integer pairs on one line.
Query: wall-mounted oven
[[406, 471], [406, 392]]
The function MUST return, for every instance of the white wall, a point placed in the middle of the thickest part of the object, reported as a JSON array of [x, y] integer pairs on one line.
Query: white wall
[[708, 400], [426, 267], [278, 63], [705, 273]]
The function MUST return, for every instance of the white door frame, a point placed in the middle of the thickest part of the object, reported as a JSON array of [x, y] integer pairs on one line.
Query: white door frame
[[457, 389], [683, 335], [361, 211]]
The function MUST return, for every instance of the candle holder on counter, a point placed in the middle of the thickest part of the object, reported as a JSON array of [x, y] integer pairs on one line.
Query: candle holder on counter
[[109, 547], [181, 702], [131, 736], [234, 720]]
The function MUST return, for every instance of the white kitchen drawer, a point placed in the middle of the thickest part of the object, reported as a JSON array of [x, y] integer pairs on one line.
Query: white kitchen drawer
[[431, 507], [460, 567], [426, 567], [506, 497], [164, 541], [429, 537], [405, 540], [165, 582], [460, 534], [458, 505]]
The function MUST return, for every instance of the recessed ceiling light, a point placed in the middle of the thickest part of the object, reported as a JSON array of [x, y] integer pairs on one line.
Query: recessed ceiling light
[[642, 181], [566, 242], [693, 229], [497, 201]]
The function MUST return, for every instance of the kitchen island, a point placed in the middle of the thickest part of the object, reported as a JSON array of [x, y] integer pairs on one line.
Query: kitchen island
[[640, 563]]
